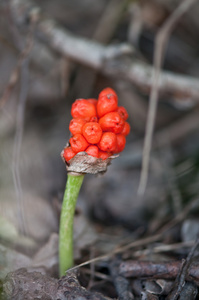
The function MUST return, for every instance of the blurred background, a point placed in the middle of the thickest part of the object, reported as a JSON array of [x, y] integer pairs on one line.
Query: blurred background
[[53, 52]]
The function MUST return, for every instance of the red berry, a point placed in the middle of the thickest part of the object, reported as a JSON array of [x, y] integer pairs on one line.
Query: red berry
[[123, 113], [76, 125], [126, 130], [83, 109], [92, 150], [108, 142], [107, 91], [103, 155], [112, 122], [78, 143], [68, 153], [121, 142], [106, 104], [92, 132]]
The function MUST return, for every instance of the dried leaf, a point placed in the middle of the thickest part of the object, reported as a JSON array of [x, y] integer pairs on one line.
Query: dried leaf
[[87, 164], [46, 259], [152, 287]]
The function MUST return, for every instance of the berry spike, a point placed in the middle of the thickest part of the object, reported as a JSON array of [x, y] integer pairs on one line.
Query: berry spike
[[98, 130]]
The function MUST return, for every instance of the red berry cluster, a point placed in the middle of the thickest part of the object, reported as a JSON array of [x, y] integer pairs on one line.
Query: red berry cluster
[[98, 127]]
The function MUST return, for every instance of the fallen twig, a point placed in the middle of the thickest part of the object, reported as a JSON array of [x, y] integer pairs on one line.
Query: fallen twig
[[154, 270]]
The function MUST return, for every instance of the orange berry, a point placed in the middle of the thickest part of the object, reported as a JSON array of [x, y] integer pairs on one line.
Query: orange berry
[[92, 132], [76, 125], [108, 142], [112, 122], [103, 155], [120, 144], [83, 109], [107, 91], [123, 113], [126, 130], [78, 143], [68, 153], [92, 150], [106, 104]]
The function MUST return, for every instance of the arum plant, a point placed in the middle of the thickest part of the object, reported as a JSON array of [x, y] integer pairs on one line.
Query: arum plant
[[98, 132]]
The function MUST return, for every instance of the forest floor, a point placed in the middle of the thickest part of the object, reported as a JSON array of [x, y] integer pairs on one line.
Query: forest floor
[[136, 226]]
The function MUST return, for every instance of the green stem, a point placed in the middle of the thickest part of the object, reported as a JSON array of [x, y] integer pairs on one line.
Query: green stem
[[73, 186]]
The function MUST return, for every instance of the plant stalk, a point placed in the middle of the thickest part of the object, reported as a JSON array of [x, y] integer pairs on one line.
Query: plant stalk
[[71, 193]]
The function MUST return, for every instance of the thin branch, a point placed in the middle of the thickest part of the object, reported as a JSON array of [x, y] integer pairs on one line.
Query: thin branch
[[114, 60], [160, 48], [183, 274], [162, 248]]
